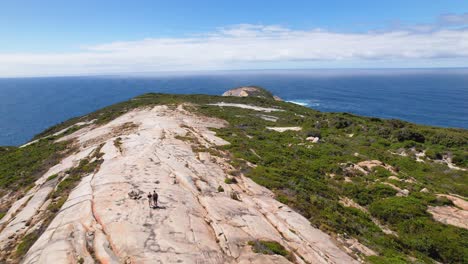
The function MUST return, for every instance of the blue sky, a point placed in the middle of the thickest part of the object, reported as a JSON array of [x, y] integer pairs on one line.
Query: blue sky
[[93, 37]]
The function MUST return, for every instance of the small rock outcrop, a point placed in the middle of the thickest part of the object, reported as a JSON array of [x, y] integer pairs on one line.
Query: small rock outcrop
[[313, 139], [456, 215], [251, 91]]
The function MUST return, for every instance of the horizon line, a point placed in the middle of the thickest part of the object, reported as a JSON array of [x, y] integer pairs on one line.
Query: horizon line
[[204, 72]]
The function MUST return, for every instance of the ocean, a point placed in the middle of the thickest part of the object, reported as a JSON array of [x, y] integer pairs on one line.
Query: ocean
[[437, 97]]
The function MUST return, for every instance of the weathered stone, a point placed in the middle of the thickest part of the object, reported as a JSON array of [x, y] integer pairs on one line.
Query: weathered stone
[[424, 190], [251, 107], [313, 139], [283, 129]]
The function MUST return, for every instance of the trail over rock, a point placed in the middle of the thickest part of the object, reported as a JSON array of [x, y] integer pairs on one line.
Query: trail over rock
[[151, 149]]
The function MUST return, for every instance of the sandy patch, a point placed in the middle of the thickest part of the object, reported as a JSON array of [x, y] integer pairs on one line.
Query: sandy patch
[[245, 106], [283, 129]]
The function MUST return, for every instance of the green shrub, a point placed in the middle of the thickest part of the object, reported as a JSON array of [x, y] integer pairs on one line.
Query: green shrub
[[341, 123], [20, 167], [449, 139], [434, 154], [55, 206], [367, 195], [387, 260], [380, 172], [282, 198], [408, 134], [26, 243], [431, 199], [313, 133], [436, 240], [396, 209], [395, 123], [230, 180], [51, 177], [460, 158], [384, 132], [269, 248], [118, 143]]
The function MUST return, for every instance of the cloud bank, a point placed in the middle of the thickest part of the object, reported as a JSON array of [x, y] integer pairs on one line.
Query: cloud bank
[[251, 46], [454, 19]]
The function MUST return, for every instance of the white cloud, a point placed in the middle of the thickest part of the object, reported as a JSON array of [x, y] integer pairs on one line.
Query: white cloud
[[247, 46], [454, 19]]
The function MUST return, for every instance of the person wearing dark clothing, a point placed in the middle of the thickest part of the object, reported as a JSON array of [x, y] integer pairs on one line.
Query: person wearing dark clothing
[[155, 199], [150, 199]]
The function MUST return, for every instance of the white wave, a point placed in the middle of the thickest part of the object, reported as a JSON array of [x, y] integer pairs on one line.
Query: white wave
[[298, 102]]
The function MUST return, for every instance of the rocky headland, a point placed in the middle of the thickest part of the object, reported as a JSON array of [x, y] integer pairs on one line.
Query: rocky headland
[[240, 179]]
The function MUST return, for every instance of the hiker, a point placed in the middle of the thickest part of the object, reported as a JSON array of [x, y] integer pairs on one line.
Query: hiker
[[150, 199], [155, 199]]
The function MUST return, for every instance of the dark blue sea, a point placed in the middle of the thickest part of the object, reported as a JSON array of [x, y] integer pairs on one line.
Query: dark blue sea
[[437, 97]]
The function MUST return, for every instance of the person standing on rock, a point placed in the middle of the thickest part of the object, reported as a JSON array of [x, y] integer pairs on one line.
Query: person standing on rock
[[155, 199], [150, 199]]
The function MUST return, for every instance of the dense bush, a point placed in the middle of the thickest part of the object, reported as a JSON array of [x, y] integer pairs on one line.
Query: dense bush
[[408, 134], [340, 122], [313, 133], [396, 209], [395, 123], [449, 139], [434, 154], [436, 240], [20, 167], [384, 132], [26, 243], [366, 196], [269, 248], [230, 180], [460, 158]]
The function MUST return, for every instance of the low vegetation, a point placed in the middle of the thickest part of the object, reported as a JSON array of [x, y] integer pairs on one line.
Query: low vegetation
[[51, 177], [230, 180], [118, 143], [269, 248], [20, 167], [26, 243]]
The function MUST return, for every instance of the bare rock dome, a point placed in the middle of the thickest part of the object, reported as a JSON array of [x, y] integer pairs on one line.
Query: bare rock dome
[[251, 91]]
